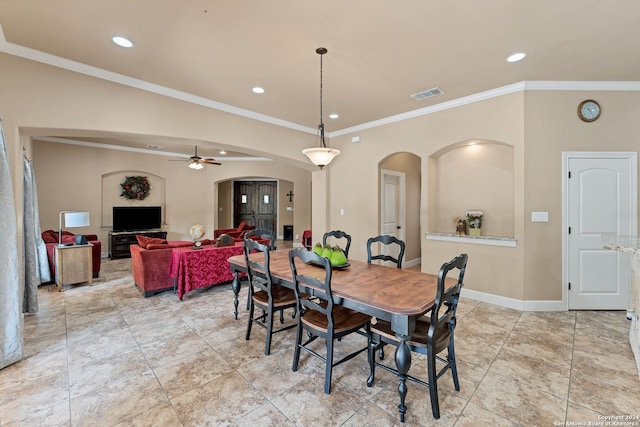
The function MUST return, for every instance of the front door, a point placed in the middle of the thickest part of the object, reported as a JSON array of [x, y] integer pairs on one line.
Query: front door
[[256, 203], [601, 198]]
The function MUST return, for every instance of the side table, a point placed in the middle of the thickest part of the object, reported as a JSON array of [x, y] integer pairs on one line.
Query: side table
[[73, 265]]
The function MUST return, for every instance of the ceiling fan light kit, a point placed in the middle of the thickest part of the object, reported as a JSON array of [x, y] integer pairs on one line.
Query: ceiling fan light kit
[[323, 155], [196, 162]]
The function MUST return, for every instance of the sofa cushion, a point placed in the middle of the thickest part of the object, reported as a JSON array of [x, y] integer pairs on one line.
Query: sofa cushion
[[152, 246], [143, 241], [50, 236], [68, 238]]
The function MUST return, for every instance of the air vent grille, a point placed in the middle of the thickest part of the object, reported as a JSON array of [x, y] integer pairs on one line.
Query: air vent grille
[[427, 93]]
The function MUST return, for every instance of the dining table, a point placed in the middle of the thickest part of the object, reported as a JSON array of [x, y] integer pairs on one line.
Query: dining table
[[398, 296]]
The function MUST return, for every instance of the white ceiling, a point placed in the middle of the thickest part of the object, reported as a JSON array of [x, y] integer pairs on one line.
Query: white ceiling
[[379, 51]]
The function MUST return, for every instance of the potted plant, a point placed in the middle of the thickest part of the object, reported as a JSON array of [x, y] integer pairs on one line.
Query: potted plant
[[474, 219]]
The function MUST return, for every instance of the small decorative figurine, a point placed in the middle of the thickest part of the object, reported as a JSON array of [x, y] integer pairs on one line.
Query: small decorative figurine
[[461, 226]]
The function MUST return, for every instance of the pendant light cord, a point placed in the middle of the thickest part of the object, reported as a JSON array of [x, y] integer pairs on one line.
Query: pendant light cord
[[321, 51]]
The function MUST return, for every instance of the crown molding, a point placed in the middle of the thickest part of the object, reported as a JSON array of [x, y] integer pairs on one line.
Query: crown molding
[[78, 67], [140, 150]]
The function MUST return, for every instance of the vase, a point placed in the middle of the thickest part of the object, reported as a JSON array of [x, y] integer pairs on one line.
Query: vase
[[475, 232]]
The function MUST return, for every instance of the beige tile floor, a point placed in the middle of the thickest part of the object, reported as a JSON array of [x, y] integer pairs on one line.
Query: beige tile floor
[[105, 356]]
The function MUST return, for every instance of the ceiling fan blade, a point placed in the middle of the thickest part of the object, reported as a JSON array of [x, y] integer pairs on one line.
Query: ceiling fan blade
[[210, 161]]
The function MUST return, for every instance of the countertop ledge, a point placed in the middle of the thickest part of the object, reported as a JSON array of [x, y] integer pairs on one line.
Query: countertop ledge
[[476, 240]]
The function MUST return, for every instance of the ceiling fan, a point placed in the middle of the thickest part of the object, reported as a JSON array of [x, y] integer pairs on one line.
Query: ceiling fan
[[196, 162]]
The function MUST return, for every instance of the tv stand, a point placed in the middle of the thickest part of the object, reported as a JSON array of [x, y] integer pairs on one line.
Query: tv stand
[[119, 241]]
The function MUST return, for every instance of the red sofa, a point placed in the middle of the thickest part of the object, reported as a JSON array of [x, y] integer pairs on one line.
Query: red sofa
[[150, 260], [149, 265], [50, 238]]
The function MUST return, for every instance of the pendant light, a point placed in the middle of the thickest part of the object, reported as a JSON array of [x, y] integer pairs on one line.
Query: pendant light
[[321, 156]]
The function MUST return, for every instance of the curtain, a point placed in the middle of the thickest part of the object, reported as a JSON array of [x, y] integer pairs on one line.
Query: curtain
[[11, 321], [36, 267]]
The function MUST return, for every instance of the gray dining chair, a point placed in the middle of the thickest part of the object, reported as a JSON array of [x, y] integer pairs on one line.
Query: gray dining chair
[[319, 315], [431, 336]]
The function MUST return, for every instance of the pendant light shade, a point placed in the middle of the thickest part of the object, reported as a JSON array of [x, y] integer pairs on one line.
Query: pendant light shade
[[323, 155]]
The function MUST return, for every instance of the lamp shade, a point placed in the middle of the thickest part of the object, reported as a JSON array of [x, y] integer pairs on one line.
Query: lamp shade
[[320, 156], [76, 219]]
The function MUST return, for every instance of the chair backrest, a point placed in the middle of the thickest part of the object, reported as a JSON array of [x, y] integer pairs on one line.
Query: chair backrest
[[338, 234], [263, 233], [319, 289], [447, 297], [258, 271], [390, 241]]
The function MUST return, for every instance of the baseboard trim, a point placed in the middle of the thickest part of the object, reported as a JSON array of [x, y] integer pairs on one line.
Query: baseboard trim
[[528, 305]]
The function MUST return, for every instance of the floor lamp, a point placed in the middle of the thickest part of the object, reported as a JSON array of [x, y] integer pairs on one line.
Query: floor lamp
[[72, 219]]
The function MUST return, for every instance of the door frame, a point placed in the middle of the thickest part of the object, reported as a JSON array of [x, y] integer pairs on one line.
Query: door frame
[[402, 201], [632, 157]]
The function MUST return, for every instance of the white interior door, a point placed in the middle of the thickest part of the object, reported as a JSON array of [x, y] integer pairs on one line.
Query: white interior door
[[392, 209], [601, 198]]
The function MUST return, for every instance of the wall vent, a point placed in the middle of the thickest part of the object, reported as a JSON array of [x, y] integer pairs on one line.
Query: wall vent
[[427, 93]]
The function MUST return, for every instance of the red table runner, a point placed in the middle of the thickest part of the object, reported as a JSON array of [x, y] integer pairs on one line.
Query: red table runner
[[199, 268]]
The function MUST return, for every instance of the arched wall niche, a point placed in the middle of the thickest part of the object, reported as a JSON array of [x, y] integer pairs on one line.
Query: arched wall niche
[[111, 191], [473, 175]]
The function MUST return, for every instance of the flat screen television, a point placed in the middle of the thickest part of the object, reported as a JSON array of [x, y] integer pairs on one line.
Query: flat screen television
[[135, 218]]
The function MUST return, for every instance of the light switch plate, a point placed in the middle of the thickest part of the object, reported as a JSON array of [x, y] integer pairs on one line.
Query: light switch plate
[[540, 216]]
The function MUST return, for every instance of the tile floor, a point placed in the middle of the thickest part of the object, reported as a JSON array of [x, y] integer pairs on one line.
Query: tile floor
[[105, 356]]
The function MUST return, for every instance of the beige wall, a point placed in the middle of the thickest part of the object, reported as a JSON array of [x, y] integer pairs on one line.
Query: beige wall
[[497, 119], [538, 125], [73, 178]]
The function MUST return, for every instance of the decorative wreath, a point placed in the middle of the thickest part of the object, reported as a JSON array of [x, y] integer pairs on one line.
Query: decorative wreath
[[135, 188]]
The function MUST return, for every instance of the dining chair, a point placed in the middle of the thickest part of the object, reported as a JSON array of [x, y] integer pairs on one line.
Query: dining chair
[[320, 315], [264, 234], [264, 294], [432, 334], [337, 235], [392, 243]]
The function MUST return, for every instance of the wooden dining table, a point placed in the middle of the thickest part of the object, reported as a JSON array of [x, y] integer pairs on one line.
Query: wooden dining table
[[398, 296]]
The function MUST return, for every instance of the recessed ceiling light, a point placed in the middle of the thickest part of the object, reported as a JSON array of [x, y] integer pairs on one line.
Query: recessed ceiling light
[[516, 57], [122, 41], [155, 147], [258, 89], [333, 116], [223, 152]]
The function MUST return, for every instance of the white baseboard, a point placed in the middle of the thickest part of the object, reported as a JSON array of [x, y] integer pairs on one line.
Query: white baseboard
[[550, 305], [412, 263]]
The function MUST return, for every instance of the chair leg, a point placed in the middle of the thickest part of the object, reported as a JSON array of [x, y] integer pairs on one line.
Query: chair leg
[[251, 309], [433, 385], [267, 345], [296, 352], [329, 367], [451, 358]]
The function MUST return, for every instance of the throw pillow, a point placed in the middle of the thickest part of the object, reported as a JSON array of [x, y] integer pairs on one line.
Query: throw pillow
[[143, 241], [152, 246]]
